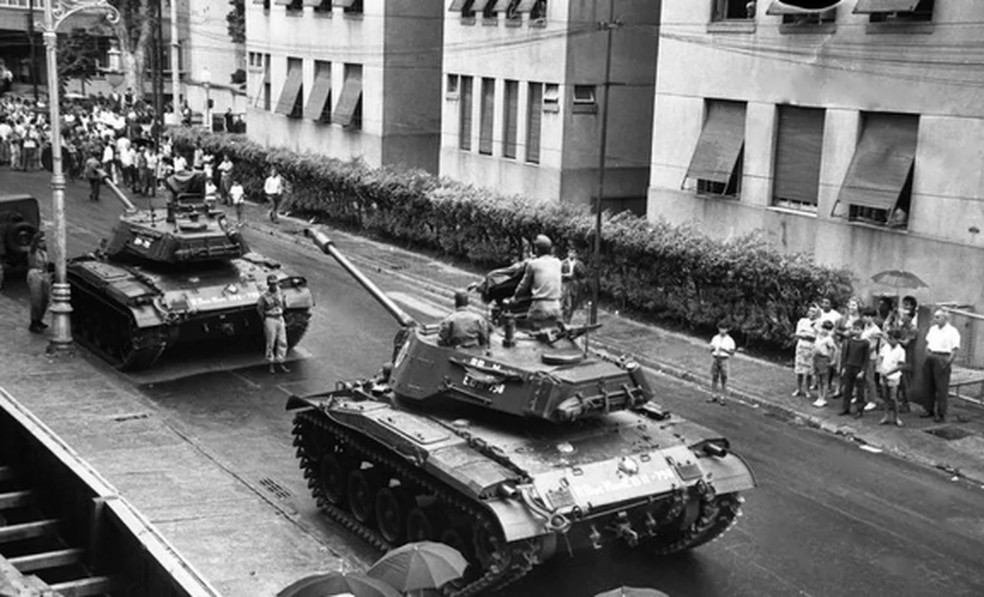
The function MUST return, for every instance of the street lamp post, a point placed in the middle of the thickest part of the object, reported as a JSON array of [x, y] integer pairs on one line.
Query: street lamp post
[[207, 82], [55, 13]]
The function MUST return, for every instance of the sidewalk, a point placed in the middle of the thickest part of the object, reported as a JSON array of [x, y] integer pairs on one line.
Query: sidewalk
[[233, 536], [955, 447]]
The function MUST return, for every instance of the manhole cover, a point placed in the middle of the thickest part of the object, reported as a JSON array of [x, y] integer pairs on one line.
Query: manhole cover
[[949, 432], [275, 488]]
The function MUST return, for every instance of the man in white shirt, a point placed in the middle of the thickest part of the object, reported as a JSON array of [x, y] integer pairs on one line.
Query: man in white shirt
[[942, 343], [722, 348], [273, 188]]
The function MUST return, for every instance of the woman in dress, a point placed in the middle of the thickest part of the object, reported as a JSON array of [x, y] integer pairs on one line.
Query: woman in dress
[[806, 335]]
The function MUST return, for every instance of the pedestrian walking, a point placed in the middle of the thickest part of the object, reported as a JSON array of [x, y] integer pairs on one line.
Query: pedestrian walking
[[271, 305], [38, 281], [805, 336], [722, 349], [94, 174], [273, 188], [238, 197], [824, 352], [891, 360], [855, 361], [942, 343], [571, 278]]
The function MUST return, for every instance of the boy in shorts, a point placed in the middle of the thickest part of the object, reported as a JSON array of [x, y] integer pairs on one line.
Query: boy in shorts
[[823, 354], [722, 348], [891, 360]]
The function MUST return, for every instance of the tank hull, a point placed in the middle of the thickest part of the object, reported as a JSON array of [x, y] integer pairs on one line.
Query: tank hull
[[130, 315]]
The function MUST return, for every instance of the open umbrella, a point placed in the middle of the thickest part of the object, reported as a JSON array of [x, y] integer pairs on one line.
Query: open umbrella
[[419, 565], [897, 278], [337, 584], [632, 592]]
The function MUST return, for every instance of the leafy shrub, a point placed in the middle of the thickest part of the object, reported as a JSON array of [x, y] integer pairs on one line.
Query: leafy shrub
[[674, 273]]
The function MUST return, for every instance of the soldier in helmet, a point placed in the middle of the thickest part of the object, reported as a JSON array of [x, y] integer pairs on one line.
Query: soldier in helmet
[[542, 283], [462, 328], [271, 305]]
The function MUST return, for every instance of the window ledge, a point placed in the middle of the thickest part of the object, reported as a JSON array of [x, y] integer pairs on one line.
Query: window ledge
[[490, 21], [731, 26], [584, 109], [538, 23], [294, 13], [323, 14], [551, 107], [514, 22], [355, 16], [467, 20], [716, 197], [792, 211], [900, 28], [821, 29], [879, 227]]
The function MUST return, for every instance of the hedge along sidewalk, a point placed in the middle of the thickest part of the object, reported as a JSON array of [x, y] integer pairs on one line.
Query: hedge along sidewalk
[[754, 382], [675, 273]]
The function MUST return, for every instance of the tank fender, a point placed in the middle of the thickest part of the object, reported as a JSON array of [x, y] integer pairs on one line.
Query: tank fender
[[728, 474], [517, 521]]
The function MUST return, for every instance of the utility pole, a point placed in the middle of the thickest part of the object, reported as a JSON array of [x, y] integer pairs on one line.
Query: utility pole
[[158, 82], [608, 26], [175, 53], [34, 55]]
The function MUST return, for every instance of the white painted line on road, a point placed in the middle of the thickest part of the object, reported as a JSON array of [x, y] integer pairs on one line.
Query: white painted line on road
[[425, 307]]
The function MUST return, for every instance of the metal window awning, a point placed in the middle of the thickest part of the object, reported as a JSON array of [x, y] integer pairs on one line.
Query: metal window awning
[[283, 2], [348, 101], [526, 5], [882, 6], [801, 7], [343, 3], [457, 5], [259, 1], [719, 144], [290, 91], [502, 5], [320, 92], [882, 162], [479, 5], [312, 3]]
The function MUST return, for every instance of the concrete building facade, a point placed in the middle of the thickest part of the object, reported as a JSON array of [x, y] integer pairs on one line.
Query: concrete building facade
[[853, 131], [347, 78], [523, 90]]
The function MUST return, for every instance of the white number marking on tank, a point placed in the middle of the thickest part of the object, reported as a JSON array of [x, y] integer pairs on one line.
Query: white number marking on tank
[[496, 388]]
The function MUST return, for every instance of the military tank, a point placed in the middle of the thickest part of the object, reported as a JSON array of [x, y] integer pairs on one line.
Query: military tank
[[511, 453], [175, 276]]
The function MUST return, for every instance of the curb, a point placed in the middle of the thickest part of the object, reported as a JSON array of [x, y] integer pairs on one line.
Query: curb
[[661, 367]]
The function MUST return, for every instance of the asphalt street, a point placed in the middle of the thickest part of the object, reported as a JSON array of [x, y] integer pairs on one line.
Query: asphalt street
[[827, 518]]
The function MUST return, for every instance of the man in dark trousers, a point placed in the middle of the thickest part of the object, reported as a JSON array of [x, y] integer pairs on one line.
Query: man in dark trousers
[[271, 305], [94, 174], [855, 363], [462, 328], [942, 343]]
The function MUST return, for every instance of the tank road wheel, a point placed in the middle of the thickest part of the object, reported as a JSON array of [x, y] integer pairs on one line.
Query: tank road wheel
[[459, 539], [486, 544], [332, 477], [392, 504], [421, 525], [714, 518], [361, 493]]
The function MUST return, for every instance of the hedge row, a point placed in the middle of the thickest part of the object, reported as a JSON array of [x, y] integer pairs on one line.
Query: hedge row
[[674, 273]]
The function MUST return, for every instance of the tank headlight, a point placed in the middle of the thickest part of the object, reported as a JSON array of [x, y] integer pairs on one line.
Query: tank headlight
[[628, 466], [565, 448], [232, 289]]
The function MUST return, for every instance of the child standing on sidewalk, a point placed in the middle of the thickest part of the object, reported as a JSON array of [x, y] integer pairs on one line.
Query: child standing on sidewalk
[[823, 354], [722, 349], [237, 196], [891, 359]]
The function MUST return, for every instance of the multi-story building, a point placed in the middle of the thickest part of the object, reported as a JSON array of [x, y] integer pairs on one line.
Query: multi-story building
[[347, 78], [850, 130], [523, 88]]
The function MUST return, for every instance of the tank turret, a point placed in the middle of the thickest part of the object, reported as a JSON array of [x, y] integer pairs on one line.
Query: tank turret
[[174, 275], [513, 453]]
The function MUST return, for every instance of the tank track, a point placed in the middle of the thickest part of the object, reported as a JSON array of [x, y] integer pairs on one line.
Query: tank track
[[717, 514], [511, 562], [124, 346]]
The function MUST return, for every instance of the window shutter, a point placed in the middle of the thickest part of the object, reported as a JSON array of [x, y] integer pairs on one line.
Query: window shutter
[[465, 126], [798, 152], [881, 162], [533, 123], [509, 119], [487, 117]]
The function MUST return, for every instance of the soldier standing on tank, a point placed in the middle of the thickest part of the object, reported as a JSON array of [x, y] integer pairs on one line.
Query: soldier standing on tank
[[542, 284], [271, 306], [38, 281], [463, 328]]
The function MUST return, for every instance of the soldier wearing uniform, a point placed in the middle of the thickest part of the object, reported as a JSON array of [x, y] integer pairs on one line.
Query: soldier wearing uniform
[[38, 281], [271, 306], [463, 328], [542, 284]]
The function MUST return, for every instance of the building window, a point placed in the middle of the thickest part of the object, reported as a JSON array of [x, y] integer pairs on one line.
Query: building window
[[487, 117], [804, 13], [799, 146], [452, 90], [265, 3], [318, 106], [730, 10], [510, 116], [509, 8], [291, 102], [585, 101], [351, 7], [896, 11], [267, 88], [717, 161], [533, 119], [294, 7], [538, 13], [321, 7], [878, 185], [348, 110], [551, 98], [465, 119]]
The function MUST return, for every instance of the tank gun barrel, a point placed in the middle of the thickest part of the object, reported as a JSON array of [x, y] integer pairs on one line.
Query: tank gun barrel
[[127, 204], [328, 246]]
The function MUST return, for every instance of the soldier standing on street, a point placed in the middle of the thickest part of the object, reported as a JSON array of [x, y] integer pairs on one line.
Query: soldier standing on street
[[38, 281], [271, 306]]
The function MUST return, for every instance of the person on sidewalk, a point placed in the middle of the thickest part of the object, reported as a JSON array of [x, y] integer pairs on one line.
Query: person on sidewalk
[[38, 281], [805, 336], [572, 278], [94, 174], [273, 188], [463, 328], [823, 354], [238, 197], [225, 178], [855, 361], [722, 349], [542, 284], [873, 335], [829, 313], [942, 343], [271, 305], [891, 360]]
